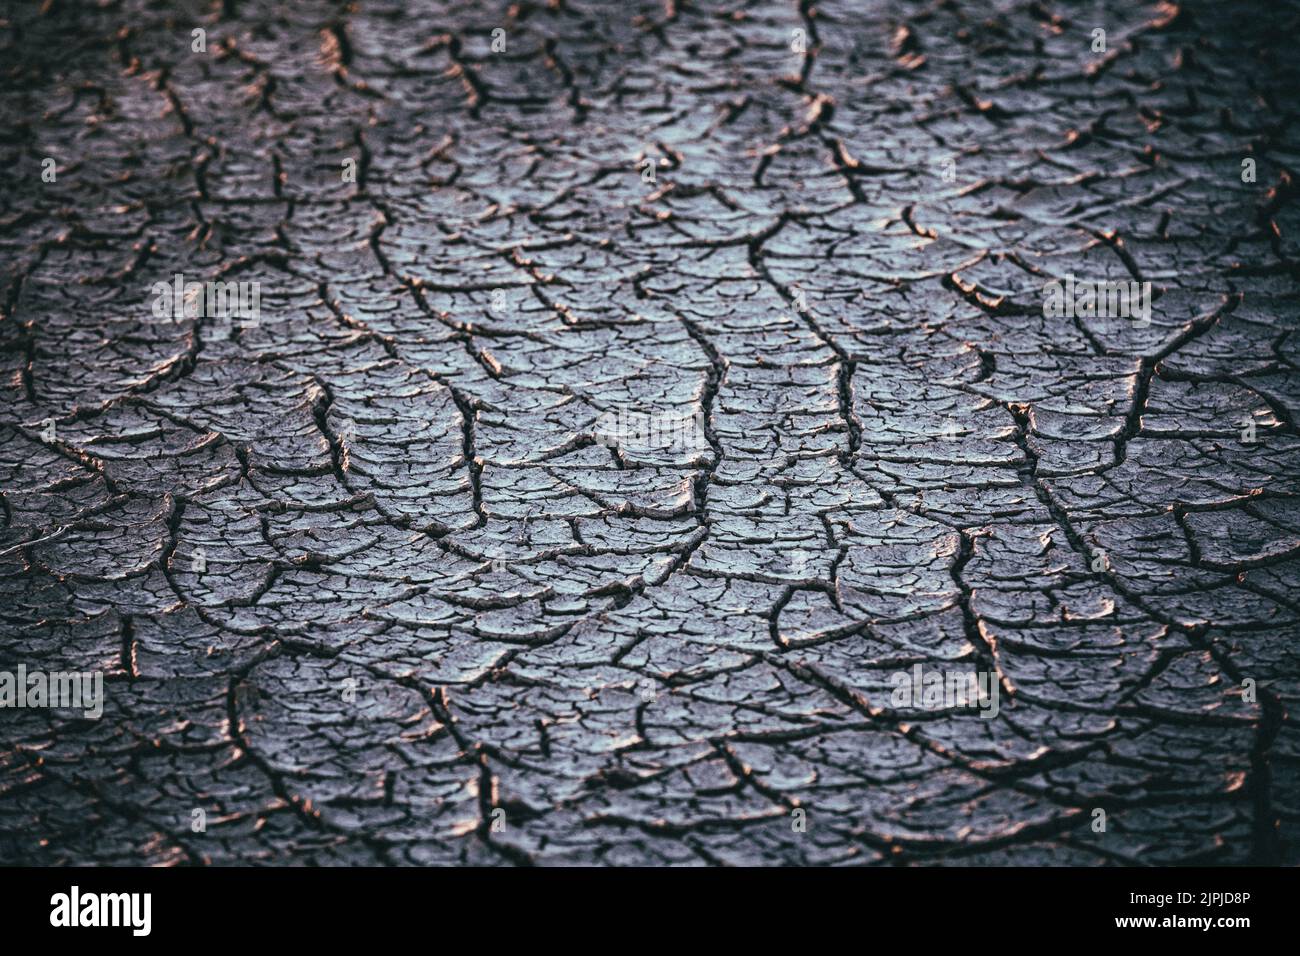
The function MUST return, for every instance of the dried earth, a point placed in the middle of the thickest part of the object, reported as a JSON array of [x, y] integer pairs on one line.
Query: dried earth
[[370, 584]]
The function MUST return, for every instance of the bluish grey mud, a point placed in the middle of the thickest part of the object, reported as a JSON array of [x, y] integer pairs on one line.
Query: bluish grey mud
[[369, 585]]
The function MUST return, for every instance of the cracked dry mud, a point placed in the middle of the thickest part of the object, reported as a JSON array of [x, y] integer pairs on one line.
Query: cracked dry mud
[[430, 593]]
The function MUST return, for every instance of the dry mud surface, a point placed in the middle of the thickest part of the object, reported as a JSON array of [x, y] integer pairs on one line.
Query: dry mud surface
[[369, 583]]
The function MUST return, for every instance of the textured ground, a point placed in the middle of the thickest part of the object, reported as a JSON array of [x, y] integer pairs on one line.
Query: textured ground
[[434, 600]]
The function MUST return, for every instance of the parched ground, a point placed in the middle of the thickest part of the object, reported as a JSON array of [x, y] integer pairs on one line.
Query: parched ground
[[370, 584]]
